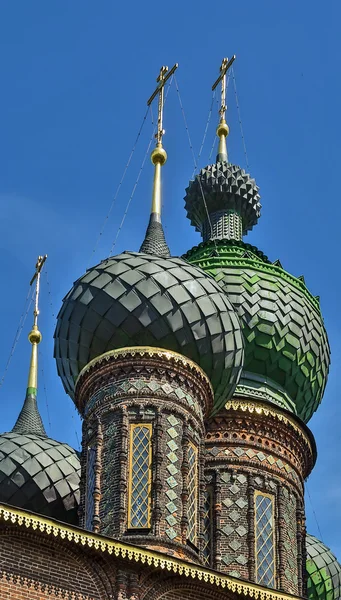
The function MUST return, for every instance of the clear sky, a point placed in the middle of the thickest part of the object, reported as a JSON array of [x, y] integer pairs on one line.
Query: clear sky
[[75, 77]]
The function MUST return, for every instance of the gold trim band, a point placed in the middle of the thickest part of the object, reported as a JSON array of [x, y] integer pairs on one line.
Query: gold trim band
[[145, 351]]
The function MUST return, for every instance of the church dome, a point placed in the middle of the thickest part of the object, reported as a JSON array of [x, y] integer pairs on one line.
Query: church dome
[[287, 353], [36, 472], [140, 299], [324, 571], [40, 475], [231, 199]]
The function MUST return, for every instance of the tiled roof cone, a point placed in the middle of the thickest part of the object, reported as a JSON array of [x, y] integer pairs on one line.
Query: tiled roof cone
[[155, 241]]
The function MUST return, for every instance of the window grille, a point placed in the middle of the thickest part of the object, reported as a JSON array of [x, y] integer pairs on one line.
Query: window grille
[[192, 484], [139, 499], [90, 487], [264, 539], [208, 527]]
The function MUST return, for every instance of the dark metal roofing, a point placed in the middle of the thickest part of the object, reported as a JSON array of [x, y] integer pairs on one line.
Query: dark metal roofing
[[154, 241], [29, 419], [137, 299], [222, 186], [39, 474]]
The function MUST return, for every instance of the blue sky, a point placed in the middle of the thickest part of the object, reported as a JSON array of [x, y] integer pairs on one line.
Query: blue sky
[[75, 78]]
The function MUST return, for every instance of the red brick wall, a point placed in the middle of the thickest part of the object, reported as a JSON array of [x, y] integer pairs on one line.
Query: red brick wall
[[33, 568], [173, 589]]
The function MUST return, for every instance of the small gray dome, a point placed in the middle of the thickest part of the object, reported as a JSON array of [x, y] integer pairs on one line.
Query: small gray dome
[[220, 188], [136, 299], [39, 474]]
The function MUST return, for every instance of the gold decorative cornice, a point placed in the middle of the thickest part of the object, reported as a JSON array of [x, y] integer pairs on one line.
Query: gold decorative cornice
[[157, 560], [146, 351], [260, 408]]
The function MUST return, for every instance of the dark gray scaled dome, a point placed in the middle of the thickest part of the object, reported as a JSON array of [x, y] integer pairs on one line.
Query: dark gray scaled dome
[[40, 475], [137, 299], [223, 187], [324, 571]]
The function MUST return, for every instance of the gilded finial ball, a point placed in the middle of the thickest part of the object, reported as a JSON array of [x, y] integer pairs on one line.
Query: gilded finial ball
[[159, 155], [223, 129], [35, 337]]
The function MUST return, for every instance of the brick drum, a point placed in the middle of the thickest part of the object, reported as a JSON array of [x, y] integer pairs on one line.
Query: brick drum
[[253, 448], [172, 395]]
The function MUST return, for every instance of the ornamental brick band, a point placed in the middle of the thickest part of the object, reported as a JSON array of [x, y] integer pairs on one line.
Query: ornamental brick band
[[257, 458]]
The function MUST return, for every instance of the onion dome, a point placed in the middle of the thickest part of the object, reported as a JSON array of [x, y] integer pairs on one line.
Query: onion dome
[[137, 299], [287, 353], [151, 299], [324, 571], [37, 473]]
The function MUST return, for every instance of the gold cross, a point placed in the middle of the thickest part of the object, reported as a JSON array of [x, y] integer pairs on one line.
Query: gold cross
[[225, 65], [40, 263], [161, 80]]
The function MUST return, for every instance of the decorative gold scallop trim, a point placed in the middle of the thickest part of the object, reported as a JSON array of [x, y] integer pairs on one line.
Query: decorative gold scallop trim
[[109, 546], [142, 351]]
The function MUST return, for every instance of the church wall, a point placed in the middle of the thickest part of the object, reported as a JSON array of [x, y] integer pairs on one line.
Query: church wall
[[173, 588], [32, 567]]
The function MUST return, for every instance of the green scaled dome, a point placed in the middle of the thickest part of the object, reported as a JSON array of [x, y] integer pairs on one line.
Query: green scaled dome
[[324, 571], [140, 299], [287, 353]]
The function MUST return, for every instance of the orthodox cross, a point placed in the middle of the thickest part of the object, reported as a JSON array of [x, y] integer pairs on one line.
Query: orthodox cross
[[225, 65], [163, 77], [36, 277]]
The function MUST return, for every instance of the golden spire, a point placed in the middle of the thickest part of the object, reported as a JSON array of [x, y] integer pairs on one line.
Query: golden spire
[[159, 154], [223, 129], [35, 336]]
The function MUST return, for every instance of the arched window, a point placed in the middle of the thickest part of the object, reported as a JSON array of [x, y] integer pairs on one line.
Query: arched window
[[139, 491], [265, 539]]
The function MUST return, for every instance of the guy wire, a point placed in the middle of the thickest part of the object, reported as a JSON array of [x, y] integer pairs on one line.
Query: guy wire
[[21, 324], [139, 173], [195, 163], [119, 186]]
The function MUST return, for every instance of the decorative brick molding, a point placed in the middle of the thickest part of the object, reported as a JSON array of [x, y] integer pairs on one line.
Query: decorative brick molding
[[256, 448]]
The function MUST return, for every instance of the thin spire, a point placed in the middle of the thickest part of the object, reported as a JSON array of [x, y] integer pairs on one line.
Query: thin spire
[[29, 419], [154, 241], [223, 128]]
